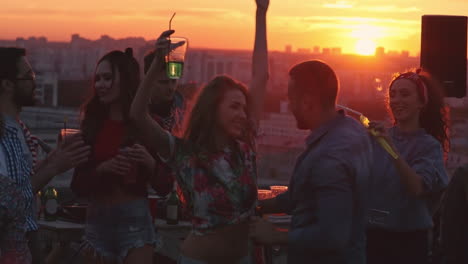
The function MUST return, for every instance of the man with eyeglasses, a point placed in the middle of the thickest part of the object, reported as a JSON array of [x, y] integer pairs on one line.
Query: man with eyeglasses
[[17, 154]]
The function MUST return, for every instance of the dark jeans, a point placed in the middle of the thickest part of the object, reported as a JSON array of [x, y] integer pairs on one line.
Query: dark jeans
[[387, 247], [36, 247]]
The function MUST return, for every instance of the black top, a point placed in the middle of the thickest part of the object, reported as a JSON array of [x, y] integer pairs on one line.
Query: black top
[[454, 219]]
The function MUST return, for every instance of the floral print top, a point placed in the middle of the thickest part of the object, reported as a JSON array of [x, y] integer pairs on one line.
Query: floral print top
[[219, 188]]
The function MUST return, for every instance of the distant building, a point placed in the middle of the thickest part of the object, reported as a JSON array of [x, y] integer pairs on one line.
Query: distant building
[[288, 49], [316, 49], [47, 88], [380, 52], [279, 144], [326, 51], [393, 53], [336, 51], [202, 65], [303, 50]]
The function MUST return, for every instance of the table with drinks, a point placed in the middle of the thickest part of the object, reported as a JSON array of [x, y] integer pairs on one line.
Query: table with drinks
[[171, 230], [275, 254], [54, 229]]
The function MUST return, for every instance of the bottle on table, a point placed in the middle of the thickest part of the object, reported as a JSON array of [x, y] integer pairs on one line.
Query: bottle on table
[[172, 208], [39, 205], [50, 204]]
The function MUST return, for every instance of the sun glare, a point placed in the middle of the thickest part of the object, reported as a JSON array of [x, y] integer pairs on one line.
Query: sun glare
[[366, 38], [365, 47]]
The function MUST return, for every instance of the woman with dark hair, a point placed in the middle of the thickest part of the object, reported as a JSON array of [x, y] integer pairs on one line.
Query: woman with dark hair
[[403, 186], [214, 160], [118, 225]]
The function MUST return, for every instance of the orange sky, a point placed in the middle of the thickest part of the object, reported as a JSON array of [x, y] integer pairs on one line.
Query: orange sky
[[355, 26]]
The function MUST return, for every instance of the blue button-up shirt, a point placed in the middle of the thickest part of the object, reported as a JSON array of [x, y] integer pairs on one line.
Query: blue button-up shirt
[[327, 195], [391, 207], [16, 163]]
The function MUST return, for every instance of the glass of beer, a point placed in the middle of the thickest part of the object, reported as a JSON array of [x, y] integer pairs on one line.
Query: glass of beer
[[176, 57], [66, 133], [264, 194], [278, 189]]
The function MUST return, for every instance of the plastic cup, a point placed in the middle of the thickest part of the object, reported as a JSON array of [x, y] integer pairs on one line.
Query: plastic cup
[[66, 133], [176, 57], [264, 194], [278, 189]]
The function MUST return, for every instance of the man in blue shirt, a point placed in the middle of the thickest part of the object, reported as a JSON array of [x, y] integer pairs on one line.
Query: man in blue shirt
[[328, 189], [17, 146]]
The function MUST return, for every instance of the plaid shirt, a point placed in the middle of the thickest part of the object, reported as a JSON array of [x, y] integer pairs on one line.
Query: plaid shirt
[[18, 168], [13, 242], [175, 115]]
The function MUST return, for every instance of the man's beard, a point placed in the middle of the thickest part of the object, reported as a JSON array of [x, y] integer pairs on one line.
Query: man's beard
[[22, 99]]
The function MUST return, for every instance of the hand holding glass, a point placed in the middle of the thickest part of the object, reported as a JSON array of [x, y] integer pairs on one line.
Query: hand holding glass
[[176, 57], [66, 133]]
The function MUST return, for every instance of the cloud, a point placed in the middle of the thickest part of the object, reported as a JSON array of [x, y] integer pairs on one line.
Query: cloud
[[74, 13], [347, 26], [201, 13], [339, 5], [371, 8], [347, 19], [389, 9]]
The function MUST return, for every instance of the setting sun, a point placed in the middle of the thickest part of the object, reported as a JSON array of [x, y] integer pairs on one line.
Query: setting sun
[[365, 47], [366, 36]]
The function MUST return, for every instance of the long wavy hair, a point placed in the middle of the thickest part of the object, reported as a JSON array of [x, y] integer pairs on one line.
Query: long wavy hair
[[94, 113], [202, 127], [434, 117]]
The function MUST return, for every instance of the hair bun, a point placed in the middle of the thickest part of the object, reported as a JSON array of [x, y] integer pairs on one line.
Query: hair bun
[[129, 52]]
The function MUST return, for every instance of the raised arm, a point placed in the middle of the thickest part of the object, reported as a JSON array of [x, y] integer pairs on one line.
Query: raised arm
[[259, 61], [153, 136]]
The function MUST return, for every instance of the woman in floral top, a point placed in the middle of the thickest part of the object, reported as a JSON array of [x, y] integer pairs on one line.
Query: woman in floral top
[[13, 243], [214, 161]]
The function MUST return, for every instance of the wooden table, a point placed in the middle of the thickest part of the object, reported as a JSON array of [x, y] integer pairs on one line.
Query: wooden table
[[170, 236], [277, 254], [60, 240], [62, 231]]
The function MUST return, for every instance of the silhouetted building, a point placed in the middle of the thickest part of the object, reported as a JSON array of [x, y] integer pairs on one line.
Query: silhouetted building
[[380, 52]]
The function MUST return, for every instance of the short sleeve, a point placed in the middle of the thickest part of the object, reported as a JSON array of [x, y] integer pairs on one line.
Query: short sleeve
[[429, 164]]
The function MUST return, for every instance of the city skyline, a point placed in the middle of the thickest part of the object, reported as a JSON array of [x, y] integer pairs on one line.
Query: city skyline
[[355, 26], [288, 48]]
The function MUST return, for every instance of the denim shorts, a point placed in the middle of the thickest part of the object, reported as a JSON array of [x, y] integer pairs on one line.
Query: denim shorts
[[112, 230]]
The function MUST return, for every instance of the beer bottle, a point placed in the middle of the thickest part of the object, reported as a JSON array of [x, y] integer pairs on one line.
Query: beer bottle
[[50, 204], [172, 208], [38, 209]]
